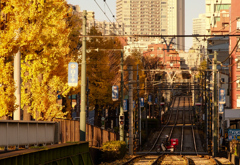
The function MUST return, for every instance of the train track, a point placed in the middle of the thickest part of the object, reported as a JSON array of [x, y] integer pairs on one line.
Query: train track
[[179, 124], [149, 158]]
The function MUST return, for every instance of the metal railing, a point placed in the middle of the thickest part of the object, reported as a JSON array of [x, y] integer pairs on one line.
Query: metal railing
[[25, 133]]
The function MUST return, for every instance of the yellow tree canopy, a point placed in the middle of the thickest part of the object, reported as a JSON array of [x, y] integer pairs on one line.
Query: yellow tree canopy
[[102, 68], [135, 60], [43, 40]]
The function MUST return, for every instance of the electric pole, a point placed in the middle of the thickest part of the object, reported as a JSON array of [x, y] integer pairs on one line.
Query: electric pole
[[139, 111], [121, 116], [215, 114], [130, 68], [83, 82]]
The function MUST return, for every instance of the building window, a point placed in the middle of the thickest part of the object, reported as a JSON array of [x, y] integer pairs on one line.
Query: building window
[[225, 15], [238, 25], [238, 84], [238, 48], [238, 63], [219, 7], [216, 19], [238, 100]]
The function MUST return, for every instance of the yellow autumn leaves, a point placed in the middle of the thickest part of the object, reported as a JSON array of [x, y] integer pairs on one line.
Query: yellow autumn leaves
[[43, 40]]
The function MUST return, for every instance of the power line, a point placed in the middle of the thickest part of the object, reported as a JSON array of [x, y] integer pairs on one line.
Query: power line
[[102, 11], [109, 9], [162, 36], [231, 52]]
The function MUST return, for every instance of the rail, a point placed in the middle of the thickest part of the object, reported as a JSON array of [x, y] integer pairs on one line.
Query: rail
[[148, 153], [182, 136], [193, 134], [161, 131]]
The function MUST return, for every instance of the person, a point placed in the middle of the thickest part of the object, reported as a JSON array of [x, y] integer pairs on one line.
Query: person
[[167, 140]]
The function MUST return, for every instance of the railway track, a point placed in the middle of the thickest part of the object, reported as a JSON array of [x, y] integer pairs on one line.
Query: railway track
[[180, 125], [149, 158]]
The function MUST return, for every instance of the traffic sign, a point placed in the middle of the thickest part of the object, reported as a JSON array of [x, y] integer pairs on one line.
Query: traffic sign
[[141, 102], [73, 74], [149, 98], [221, 108], [115, 93], [198, 104], [125, 107], [222, 97], [233, 134]]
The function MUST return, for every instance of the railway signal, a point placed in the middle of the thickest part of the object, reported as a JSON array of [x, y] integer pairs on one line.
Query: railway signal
[[121, 121]]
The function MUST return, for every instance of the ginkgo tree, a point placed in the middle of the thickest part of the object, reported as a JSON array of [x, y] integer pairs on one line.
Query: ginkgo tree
[[43, 40], [100, 67]]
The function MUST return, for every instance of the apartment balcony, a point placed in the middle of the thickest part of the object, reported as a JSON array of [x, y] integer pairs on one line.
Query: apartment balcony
[[208, 14], [208, 2]]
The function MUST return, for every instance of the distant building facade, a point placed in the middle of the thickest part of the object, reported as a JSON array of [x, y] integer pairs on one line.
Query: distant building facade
[[167, 60], [199, 28], [213, 9], [106, 28], [190, 60], [155, 17]]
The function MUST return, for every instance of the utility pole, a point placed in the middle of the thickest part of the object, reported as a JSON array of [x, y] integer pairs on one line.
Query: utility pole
[[83, 82], [17, 79], [215, 115], [121, 126], [139, 111], [146, 122], [88, 90], [206, 110], [130, 68], [159, 103]]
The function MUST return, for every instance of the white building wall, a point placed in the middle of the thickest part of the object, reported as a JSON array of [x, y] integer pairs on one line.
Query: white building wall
[[192, 60], [199, 27], [213, 8], [140, 46], [106, 28]]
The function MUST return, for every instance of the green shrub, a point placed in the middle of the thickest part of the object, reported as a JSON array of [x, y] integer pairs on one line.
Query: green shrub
[[114, 150]]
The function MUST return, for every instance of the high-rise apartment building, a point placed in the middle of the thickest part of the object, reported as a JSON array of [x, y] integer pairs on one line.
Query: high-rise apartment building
[[106, 28], [153, 17], [213, 8], [199, 28]]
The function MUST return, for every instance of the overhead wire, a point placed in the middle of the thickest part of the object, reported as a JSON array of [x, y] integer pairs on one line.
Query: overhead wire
[[102, 11], [231, 52], [174, 43], [112, 60]]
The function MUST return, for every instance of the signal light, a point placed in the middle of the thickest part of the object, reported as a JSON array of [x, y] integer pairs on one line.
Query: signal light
[[121, 120]]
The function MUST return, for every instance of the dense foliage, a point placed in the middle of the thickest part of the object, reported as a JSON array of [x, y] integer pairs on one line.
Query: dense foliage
[[113, 150], [41, 31]]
